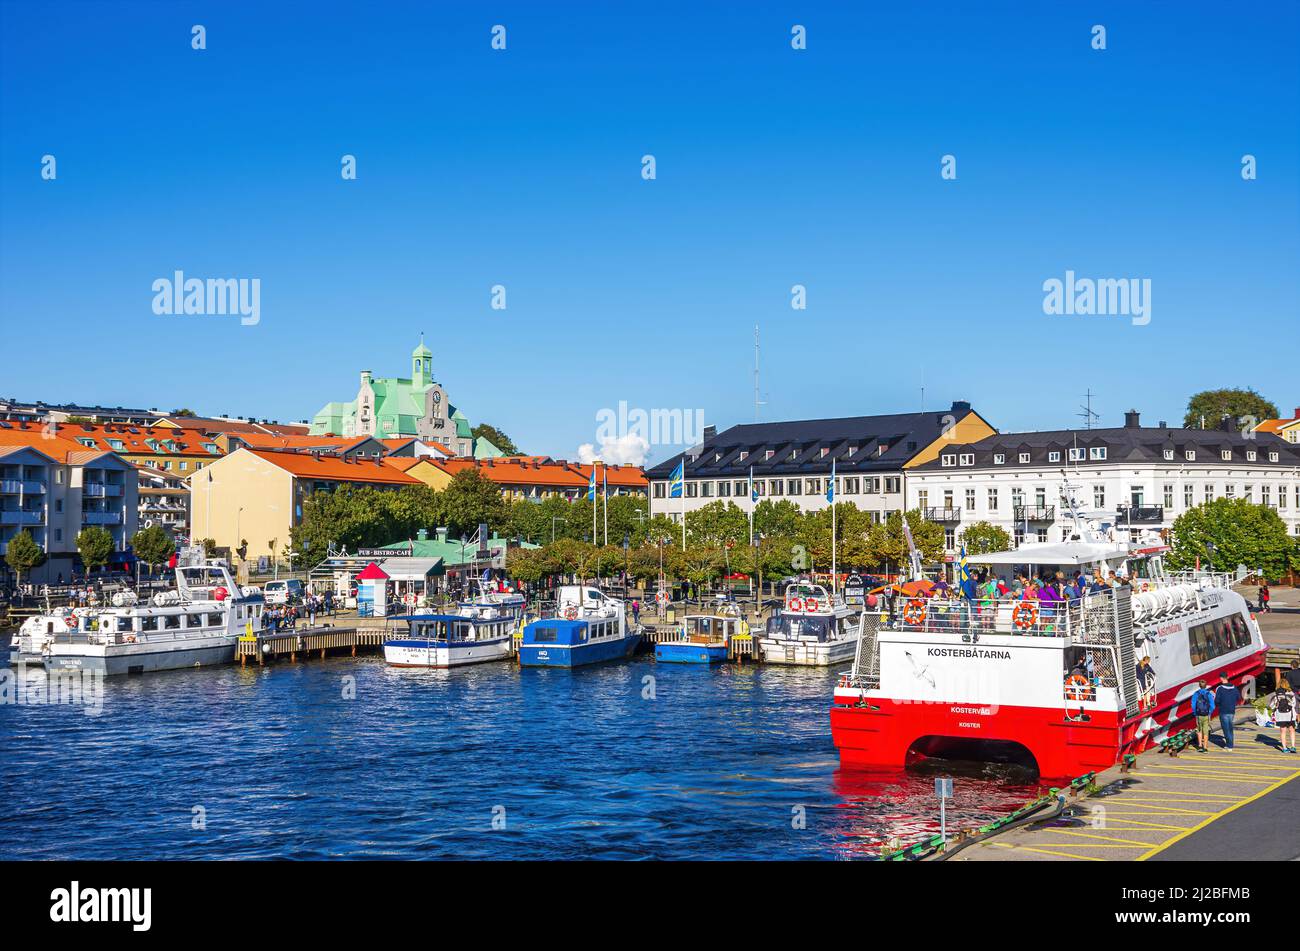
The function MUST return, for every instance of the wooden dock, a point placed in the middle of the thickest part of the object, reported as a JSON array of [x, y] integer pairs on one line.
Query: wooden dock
[[318, 640]]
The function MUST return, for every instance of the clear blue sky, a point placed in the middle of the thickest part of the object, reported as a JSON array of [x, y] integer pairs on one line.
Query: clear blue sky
[[775, 167]]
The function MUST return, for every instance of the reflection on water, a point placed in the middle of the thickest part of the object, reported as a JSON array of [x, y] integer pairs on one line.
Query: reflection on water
[[350, 758]]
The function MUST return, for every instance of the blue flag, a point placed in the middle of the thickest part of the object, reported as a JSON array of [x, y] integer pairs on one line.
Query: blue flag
[[591, 484], [675, 480], [830, 485], [753, 489], [964, 579]]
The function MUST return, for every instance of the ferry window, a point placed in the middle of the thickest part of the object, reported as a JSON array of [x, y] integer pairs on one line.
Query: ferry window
[[1240, 634], [544, 635], [124, 624], [148, 623], [214, 620], [172, 622], [194, 620], [1213, 639]]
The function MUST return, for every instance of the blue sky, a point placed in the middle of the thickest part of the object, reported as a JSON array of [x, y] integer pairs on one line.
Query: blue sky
[[775, 167]]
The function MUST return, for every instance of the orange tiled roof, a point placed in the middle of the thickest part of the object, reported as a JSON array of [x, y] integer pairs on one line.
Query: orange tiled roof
[[187, 442], [258, 440], [211, 425], [530, 470], [306, 465], [43, 439]]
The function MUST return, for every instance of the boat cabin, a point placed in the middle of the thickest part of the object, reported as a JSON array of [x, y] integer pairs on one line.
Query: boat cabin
[[562, 632], [455, 629]]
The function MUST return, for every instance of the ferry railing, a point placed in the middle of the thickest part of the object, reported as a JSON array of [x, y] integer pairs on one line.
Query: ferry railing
[[1076, 618]]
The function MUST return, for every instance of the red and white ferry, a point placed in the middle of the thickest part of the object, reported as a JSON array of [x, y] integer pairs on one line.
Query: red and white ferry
[[998, 679]]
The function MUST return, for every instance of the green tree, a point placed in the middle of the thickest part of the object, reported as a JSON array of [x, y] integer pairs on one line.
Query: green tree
[[496, 437], [470, 499], [528, 564], [1241, 532], [153, 545], [184, 412], [209, 546], [888, 544], [716, 524], [95, 544], [23, 554], [1206, 409], [980, 538]]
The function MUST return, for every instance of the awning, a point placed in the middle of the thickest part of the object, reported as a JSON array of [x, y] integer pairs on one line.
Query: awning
[[1058, 553], [412, 569]]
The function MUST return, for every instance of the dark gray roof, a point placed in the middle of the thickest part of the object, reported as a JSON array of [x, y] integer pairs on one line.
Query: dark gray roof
[[1123, 444], [855, 443]]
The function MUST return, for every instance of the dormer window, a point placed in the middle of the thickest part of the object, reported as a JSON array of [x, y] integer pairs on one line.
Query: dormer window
[[1054, 456], [116, 444], [1169, 455], [744, 454], [794, 454], [87, 442], [1024, 457], [717, 457], [1097, 452], [999, 458], [852, 448], [948, 459], [1077, 454], [1225, 455], [1272, 456], [1250, 455], [768, 454], [1190, 455], [824, 451], [966, 459]]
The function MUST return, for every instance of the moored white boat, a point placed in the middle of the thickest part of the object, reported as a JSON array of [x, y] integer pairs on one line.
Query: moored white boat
[[812, 629], [450, 640]]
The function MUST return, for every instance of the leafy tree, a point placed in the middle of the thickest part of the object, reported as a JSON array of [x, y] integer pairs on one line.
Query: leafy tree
[[528, 564], [717, 523], [209, 546], [23, 554], [470, 499], [153, 546], [775, 519], [1241, 532], [889, 545], [496, 437], [1207, 408], [184, 412], [95, 544], [980, 538]]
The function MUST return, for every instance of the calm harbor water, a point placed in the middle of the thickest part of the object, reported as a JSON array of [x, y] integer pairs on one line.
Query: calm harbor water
[[281, 763]]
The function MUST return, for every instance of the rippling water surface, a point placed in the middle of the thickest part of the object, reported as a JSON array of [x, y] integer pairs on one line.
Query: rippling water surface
[[722, 763]]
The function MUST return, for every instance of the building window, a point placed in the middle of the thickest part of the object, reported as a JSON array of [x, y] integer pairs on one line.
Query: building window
[[1189, 496], [1225, 455], [776, 487], [852, 484], [948, 459], [1169, 455], [970, 500], [692, 489], [1229, 491], [1250, 455], [1077, 454], [706, 490], [1017, 497], [1169, 496], [1249, 493], [1040, 496], [1024, 457], [873, 484], [1209, 492], [993, 500], [659, 490], [744, 454], [814, 487], [741, 487], [1099, 496], [1265, 495], [1190, 455], [1042, 534], [1136, 496], [950, 538], [769, 454], [923, 499], [724, 488], [947, 498], [894, 484], [1097, 452], [967, 459], [1054, 456], [999, 458], [58, 534]]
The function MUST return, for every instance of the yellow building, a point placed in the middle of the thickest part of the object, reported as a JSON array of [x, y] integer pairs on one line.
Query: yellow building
[[257, 495]]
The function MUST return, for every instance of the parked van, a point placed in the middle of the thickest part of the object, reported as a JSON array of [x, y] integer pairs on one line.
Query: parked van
[[290, 591]]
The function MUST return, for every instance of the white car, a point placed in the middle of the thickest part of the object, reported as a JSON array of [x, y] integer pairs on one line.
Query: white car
[[279, 592]]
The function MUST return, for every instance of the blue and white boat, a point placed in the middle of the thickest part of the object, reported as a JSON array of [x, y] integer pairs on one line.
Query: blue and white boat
[[449, 640], [702, 639], [489, 605], [592, 628]]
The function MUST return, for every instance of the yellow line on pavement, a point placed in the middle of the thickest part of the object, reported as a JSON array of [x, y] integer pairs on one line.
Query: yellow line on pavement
[[1104, 838], [1150, 825], [1218, 779], [1178, 792], [1172, 809], [1213, 768], [1201, 825], [1068, 855]]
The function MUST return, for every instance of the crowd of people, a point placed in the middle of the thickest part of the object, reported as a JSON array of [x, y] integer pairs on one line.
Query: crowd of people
[[285, 617]]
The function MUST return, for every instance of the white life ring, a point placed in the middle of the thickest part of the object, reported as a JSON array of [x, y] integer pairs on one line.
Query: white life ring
[[793, 604]]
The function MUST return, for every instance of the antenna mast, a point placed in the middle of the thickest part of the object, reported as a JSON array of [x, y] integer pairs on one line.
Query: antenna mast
[[1088, 414], [757, 401]]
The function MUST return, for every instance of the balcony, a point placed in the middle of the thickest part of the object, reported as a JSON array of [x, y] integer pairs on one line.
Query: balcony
[[19, 517], [101, 518], [1035, 513], [21, 487], [1140, 515], [101, 490], [945, 513]]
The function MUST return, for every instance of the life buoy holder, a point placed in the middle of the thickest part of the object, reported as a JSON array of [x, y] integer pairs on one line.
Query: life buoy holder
[[914, 612], [812, 604], [793, 604], [1077, 687], [571, 612], [1024, 615]]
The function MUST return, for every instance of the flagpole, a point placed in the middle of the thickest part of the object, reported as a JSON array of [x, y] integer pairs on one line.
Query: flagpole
[[834, 564], [751, 506], [683, 498], [604, 475], [592, 493]]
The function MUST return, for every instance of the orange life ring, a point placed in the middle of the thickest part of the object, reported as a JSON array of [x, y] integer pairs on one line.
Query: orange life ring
[[571, 612], [812, 604], [1076, 688], [1024, 615], [914, 612], [793, 604]]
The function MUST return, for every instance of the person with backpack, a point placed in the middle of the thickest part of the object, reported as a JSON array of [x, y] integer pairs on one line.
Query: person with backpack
[[1282, 705], [1264, 598], [1226, 698], [1202, 709]]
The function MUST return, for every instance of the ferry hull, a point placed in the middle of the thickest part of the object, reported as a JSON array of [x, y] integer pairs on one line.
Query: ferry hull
[[578, 655], [682, 652], [146, 659], [418, 653]]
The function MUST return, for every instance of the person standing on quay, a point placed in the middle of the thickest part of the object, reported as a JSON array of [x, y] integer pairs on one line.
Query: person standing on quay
[[1226, 698], [1282, 705], [1202, 709], [1264, 598]]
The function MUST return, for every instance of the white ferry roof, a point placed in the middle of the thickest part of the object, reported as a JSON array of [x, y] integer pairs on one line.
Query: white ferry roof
[[411, 569], [1054, 553]]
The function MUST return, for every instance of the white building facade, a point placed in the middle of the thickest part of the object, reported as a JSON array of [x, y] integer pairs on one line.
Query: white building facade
[[1139, 478]]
